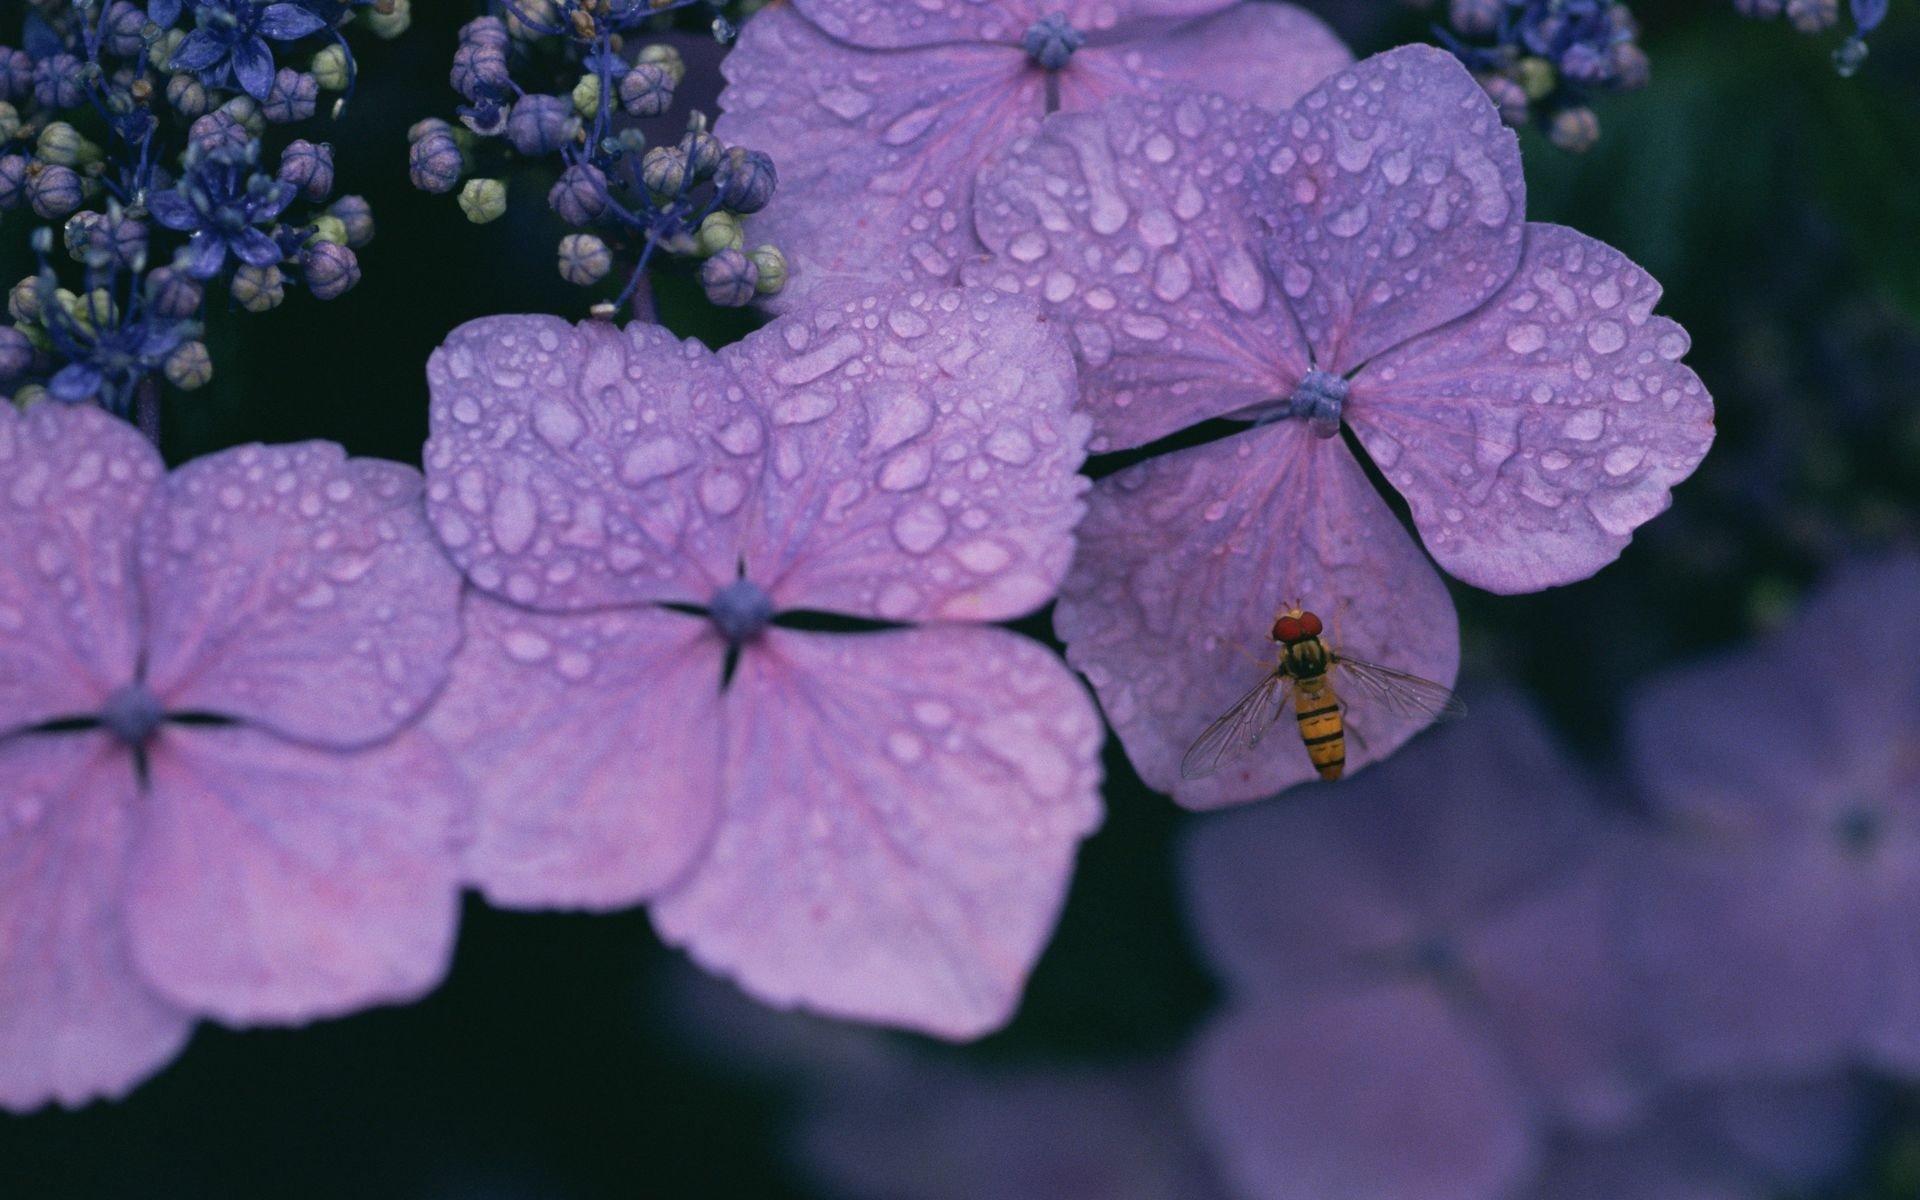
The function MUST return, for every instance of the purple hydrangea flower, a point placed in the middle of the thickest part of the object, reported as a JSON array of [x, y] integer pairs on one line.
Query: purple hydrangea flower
[[208, 802], [222, 201], [231, 41], [1364, 261], [881, 114], [877, 825], [1777, 922], [1422, 963]]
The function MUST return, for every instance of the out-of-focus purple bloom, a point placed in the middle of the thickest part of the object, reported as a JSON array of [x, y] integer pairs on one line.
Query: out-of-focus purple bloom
[[541, 124], [881, 114], [875, 825], [1776, 923], [1422, 963], [1365, 261], [230, 41], [16, 354], [287, 855], [223, 202]]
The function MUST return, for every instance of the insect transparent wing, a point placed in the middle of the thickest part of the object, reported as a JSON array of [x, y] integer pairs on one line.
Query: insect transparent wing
[[1239, 730], [1396, 691]]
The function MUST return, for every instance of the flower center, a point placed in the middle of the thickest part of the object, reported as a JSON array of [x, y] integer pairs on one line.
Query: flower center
[[132, 714], [1319, 401], [741, 610], [1051, 41], [1859, 828], [1435, 955]]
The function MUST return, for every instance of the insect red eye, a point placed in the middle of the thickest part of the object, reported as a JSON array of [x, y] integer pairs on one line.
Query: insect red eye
[[1309, 624], [1287, 629]]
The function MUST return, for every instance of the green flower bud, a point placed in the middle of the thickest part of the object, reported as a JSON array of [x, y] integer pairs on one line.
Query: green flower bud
[[246, 110], [23, 301], [329, 68], [663, 55], [586, 96], [720, 231], [91, 311], [483, 200], [61, 143], [9, 121], [584, 259], [328, 228], [1536, 77], [258, 289], [160, 50], [390, 18], [773, 269], [189, 366]]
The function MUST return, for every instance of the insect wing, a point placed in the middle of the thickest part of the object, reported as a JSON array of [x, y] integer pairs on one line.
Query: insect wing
[[1396, 691], [1239, 730]]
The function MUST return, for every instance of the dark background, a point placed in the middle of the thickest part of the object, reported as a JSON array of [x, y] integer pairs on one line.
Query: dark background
[[1780, 206]]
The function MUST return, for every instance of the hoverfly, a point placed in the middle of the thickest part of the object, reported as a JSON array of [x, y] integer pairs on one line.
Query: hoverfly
[[1306, 668]]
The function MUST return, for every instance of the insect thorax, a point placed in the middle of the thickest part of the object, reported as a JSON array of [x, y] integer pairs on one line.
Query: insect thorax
[[1306, 659]]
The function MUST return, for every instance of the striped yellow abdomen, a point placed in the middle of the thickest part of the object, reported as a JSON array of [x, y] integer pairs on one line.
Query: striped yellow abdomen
[[1321, 726]]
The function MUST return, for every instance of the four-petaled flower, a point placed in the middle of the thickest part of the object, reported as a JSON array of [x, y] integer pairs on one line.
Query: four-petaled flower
[[212, 805], [873, 824], [1362, 262], [222, 201], [230, 39], [883, 113]]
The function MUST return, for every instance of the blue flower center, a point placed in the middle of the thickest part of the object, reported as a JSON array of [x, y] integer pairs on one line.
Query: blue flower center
[[741, 610], [132, 714], [1319, 401], [1051, 41]]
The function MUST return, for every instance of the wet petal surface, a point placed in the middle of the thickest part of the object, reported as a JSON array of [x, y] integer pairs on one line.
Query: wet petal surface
[[922, 457], [925, 22], [592, 744], [902, 813], [1132, 226], [577, 466], [1268, 54], [76, 1021], [1396, 203], [1534, 436], [1183, 562], [272, 882], [294, 588], [73, 482]]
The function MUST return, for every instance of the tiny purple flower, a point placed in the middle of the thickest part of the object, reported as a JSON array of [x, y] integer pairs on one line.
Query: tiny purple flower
[[290, 852], [1362, 263], [908, 459], [222, 202], [1777, 921], [886, 111], [230, 41]]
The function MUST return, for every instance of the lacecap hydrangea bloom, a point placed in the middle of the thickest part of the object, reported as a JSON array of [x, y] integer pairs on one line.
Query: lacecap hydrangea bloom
[[1423, 969], [1775, 927], [1360, 263], [871, 824], [883, 113], [210, 804]]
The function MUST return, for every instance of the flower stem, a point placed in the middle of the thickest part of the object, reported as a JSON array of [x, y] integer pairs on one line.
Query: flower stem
[[146, 409]]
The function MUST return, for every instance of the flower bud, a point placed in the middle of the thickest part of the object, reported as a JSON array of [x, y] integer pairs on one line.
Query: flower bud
[[479, 70], [16, 354], [484, 31], [161, 50], [189, 366], [390, 18], [540, 125], [483, 200], [661, 55], [308, 167], [61, 143], [13, 180], [772, 266], [121, 29], [586, 96], [719, 231], [729, 278], [584, 259], [187, 96], [330, 270], [57, 82], [434, 162], [1475, 18], [173, 293], [55, 191], [1536, 77], [23, 301], [9, 122], [357, 215], [293, 97], [646, 90], [331, 68], [1764, 10], [1813, 16], [16, 73], [258, 289], [246, 110], [219, 133], [1574, 129], [328, 228], [664, 170], [1508, 97], [703, 153], [746, 180], [579, 196]]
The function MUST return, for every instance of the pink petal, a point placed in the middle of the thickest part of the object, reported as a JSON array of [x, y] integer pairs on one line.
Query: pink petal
[[73, 481], [902, 814], [76, 1021], [592, 742], [574, 467], [1382, 1095], [297, 589], [1534, 436], [924, 457], [1269, 54], [927, 22], [275, 882], [1396, 201], [1103, 217], [1184, 560], [878, 149]]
